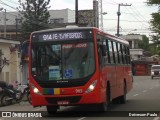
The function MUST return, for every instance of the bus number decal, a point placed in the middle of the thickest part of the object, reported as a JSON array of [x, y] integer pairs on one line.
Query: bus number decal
[[79, 91]]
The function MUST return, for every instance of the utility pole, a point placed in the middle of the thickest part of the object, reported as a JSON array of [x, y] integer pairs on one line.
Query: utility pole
[[100, 14], [16, 27], [18, 21], [5, 23], [76, 12], [118, 14]]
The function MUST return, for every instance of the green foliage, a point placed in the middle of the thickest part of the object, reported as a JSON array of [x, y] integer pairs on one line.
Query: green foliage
[[155, 27], [153, 1], [35, 16], [144, 44], [155, 22], [155, 49]]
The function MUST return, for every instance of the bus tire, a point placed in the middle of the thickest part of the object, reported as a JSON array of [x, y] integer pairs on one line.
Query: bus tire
[[116, 100], [52, 109], [103, 107], [123, 97], [29, 98]]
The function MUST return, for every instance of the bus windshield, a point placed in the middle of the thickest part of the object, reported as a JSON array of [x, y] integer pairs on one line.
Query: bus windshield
[[62, 61]]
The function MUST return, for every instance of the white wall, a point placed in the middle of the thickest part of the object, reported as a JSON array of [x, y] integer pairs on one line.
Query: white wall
[[9, 73], [67, 14]]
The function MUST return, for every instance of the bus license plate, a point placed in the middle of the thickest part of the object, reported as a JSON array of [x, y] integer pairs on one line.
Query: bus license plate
[[63, 102]]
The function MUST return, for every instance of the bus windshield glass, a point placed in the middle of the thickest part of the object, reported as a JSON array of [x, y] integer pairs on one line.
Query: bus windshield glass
[[61, 61]]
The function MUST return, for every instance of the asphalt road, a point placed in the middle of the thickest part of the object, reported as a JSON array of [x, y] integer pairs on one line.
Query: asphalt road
[[143, 99]]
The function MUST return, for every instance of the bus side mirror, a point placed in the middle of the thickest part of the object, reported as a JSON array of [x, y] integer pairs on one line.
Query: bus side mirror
[[104, 49]]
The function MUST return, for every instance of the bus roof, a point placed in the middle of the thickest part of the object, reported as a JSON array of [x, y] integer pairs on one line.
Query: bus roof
[[84, 28], [66, 29]]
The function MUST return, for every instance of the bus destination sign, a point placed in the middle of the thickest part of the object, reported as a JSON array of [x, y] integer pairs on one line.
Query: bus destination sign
[[62, 36]]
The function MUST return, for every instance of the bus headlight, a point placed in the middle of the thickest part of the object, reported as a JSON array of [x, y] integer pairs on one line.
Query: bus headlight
[[91, 87], [35, 90]]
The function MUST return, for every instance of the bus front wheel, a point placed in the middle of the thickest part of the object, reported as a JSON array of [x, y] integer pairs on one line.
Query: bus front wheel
[[105, 106], [52, 109]]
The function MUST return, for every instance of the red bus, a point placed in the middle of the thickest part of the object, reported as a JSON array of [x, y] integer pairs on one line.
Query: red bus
[[78, 66]]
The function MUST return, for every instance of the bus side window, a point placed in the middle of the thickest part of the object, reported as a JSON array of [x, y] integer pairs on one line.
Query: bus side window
[[110, 48], [124, 54], [128, 55], [108, 53], [115, 52], [118, 52], [101, 53], [121, 51], [100, 56], [106, 57]]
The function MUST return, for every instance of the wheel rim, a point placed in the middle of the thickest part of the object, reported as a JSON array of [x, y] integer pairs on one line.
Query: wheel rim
[[5, 101]]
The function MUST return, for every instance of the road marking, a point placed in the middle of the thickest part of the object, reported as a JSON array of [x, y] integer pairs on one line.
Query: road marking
[[135, 95], [81, 118], [156, 85], [38, 109], [156, 118], [144, 91], [151, 88]]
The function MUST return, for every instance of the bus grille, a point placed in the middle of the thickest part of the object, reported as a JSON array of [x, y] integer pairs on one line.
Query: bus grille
[[54, 100]]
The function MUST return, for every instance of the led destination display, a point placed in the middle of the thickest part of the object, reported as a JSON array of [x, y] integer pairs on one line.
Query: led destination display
[[62, 36]]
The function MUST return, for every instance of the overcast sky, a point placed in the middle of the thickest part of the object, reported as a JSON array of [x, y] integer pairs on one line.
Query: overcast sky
[[133, 19]]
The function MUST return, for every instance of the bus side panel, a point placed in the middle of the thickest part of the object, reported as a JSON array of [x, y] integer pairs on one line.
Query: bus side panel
[[130, 79], [119, 81], [111, 78]]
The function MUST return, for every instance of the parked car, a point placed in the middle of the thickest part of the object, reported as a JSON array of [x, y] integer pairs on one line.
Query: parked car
[[155, 71]]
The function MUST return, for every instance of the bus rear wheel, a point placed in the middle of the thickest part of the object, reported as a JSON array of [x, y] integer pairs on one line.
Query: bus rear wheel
[[52, 109], [123, 97]]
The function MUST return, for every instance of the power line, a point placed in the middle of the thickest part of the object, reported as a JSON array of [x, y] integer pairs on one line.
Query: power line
[[110, 3], [1, 2], [138, 13], [11, 1], [127, 20], [136, 16]]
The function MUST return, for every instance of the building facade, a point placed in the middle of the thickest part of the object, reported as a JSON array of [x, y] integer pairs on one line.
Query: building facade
[[9, 61], [135, 51], [11, 27]]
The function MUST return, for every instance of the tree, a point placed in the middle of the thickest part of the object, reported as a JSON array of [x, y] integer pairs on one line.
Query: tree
[[35, 16], [144, 44], [155, 21], [151, 2]]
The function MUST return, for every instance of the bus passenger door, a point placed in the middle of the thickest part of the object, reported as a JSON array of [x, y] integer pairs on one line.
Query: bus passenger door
[[102, 69]]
